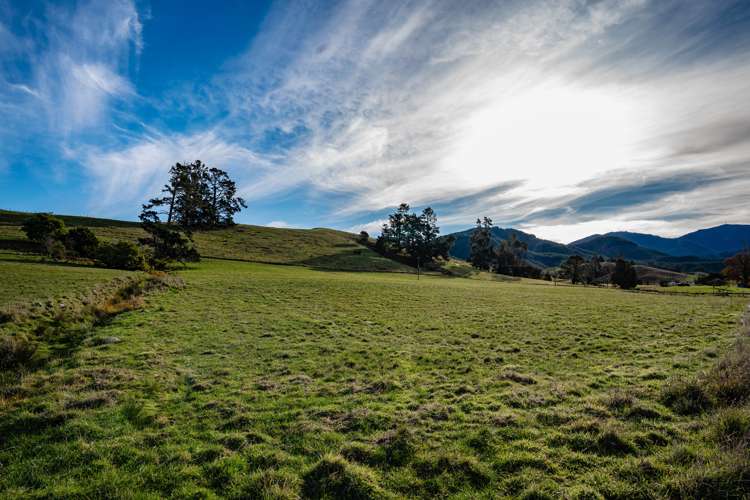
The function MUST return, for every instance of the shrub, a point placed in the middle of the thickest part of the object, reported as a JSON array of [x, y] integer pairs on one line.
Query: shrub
[[55, 248], [16, 351], [730, 379], [686, 397], [82, 242], [334, 477], [732, 427], [121, 255], [41, 227]]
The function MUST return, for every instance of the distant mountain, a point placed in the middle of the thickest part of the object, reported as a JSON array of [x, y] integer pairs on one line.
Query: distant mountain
[[702, 250], [542, 253], [670, 246], [713, 243], [613, 246]]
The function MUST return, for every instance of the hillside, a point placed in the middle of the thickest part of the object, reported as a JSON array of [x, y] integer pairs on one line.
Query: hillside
[[612, 246], [708, 244], [319, 248], [542, 253]]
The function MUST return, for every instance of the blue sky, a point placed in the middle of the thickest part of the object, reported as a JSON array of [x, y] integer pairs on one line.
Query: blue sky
[[562, 118]]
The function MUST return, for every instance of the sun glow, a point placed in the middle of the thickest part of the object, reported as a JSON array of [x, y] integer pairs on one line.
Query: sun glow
[[552, 136]]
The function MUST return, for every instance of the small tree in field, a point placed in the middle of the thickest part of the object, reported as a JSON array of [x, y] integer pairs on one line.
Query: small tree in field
[[738, 268], [573, 268], [82, 242], [624, 275], [42, 227]]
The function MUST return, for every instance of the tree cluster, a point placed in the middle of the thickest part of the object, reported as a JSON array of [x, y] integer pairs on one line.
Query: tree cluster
[[415, 236], [579, 270], [196, 196], [508, 257], [738, 268], [624, 275], [80, 242]]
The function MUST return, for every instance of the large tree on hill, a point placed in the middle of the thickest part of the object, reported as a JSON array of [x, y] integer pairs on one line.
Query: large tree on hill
[[195, 196], [480, 251], [738, 268]]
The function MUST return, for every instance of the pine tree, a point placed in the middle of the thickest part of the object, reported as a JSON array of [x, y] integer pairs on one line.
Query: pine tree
[[481, 255]]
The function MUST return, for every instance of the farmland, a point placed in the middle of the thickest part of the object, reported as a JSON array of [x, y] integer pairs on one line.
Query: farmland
[[257, 380]]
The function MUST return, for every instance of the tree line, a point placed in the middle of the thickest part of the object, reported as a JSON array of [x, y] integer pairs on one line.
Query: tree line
[[196, 197]]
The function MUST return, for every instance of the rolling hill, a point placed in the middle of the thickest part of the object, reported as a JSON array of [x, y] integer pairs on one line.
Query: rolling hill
[[612, 246], [711, 243], [317, 248]]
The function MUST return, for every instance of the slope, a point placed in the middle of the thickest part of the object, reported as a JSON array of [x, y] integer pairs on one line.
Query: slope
[[319, 248]]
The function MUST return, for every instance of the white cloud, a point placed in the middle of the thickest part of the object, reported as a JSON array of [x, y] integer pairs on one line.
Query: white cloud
[[123, 178], [278, 223], [431, 103]]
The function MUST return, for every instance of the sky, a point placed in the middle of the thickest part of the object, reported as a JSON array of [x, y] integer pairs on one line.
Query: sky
[[561, 118]]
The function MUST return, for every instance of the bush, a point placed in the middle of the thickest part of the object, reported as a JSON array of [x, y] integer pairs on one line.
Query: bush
[[730, 379], [334, 477], [82, 242], [121, 255], [41, 227], [55, 249], [686, 397], [16, 351]]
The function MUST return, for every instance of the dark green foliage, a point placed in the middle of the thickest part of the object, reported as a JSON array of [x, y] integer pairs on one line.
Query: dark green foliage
[[41, 227], [573, 268], [195, 197], [82, 242], [121, 255], [168, 244], [481, 254], [624, 275], [711, 279], [363, 238], [738, 268], [415, 236]]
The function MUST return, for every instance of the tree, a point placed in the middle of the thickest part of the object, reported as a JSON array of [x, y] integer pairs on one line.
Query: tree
[[510, 257], [480, 252], [196, 196], [738, 268], [222, 200], [416, 236], [42, 227], [363, 238], [168, 244], [573, 267], [82, 242], [624, 275], [121, 255], [592, 271]]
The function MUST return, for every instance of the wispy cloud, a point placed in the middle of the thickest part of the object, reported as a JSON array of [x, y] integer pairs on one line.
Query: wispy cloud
[[436, 103], [557, 116]]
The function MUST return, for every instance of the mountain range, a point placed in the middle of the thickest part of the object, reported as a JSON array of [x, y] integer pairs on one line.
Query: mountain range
[[702, 250]]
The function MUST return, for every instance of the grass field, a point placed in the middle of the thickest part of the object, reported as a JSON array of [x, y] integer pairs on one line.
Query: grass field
[[261, 381], [25, 278]]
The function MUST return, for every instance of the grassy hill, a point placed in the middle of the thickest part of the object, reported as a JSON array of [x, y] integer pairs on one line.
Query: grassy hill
[[284, 382], [319, 248]]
